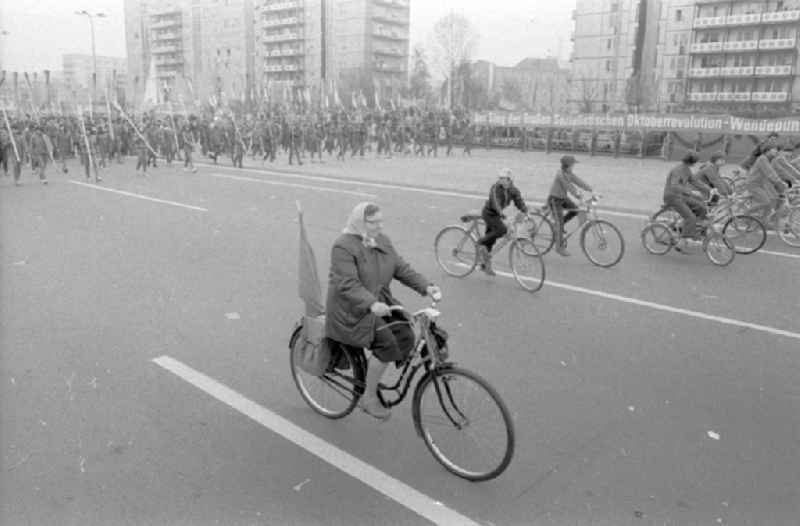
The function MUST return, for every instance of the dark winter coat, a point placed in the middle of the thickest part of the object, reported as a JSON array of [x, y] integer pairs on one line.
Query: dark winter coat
[[360, 276]]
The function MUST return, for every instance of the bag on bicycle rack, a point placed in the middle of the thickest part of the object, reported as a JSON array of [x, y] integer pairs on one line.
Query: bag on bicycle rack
[[315, 356]]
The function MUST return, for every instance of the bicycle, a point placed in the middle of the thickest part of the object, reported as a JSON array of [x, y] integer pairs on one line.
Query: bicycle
[[456, 249], [784, 216], [446, 409], [746, 232], [595, 233], [659, 237]]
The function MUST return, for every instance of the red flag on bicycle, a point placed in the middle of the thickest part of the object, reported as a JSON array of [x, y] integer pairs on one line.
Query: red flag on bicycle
[[308, 279]]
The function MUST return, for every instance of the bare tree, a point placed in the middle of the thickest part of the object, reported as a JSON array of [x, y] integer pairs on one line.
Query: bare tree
[[454, 42], [588, 94]]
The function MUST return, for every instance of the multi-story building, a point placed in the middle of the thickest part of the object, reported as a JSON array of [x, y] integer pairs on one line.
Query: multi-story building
[[674, 39], [198, 48], [614, 54], [744, 57], [78, 75], [361, 44]]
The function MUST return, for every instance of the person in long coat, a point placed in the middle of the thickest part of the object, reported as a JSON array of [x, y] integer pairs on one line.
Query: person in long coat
[[363, 264]]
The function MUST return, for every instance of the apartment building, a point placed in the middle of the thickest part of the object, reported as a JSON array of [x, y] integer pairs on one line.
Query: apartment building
[[744, 57], [195, 48], [307, 43], [614, 54], [673, 58]]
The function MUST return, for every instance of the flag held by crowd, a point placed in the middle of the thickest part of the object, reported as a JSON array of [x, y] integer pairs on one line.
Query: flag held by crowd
[[309, 286]]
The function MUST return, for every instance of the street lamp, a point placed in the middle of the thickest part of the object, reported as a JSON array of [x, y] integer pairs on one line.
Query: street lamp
[[91, 18]]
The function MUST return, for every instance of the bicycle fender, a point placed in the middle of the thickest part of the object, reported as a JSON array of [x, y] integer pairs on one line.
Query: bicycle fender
[[418, 394], [295, 333]]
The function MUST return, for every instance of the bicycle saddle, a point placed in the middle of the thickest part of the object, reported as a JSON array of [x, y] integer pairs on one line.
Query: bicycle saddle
[[472, 215]]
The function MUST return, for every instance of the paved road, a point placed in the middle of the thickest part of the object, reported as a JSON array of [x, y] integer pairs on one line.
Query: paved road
[[662, 391]]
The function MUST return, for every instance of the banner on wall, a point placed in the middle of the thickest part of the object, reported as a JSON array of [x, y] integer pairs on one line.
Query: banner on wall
[[644, 122]]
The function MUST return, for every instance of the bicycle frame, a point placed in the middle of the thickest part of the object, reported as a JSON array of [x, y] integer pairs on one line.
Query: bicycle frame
[[511, 233], [586, 212]]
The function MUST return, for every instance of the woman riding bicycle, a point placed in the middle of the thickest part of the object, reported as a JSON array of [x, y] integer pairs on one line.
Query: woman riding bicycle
[[363, 264]]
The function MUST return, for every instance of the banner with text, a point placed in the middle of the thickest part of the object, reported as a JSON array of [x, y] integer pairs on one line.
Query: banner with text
[[643, 122]]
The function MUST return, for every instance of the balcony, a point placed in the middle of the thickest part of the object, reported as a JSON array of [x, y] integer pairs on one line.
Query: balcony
[[393, 3], [770, 96], [743, 20], [391, 52], [392, 18], [709, 21], [705, 47], [780, 17], [166, 36], [733, 96], [282, 37], [281, 6], [290, 52], [774, 71], [277, 22], [163, 24], [165, 48], [382, 32], [704, 72], [737, 71], [710, 96], [738, 46], [778, 43]]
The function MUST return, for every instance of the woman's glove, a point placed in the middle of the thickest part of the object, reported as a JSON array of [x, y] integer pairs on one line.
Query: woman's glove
[[434, 292], [380, 309]]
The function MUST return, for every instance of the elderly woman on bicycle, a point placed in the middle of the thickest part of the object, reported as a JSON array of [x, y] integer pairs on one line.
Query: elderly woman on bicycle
[[363, 264]]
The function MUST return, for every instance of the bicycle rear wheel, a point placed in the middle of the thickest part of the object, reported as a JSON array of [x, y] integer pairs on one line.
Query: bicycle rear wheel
[[718, 249], [789, 229], [334, 394], [541, 232], [456, 251], [657, 239], [746, 233], [602, 243], [527, 264], [464, 423]]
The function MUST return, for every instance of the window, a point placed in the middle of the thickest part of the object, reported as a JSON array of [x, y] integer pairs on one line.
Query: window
[[608, 44], [678, 15], [608, 65]]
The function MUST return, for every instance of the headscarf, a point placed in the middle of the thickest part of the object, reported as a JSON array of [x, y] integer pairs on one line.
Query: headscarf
[[356, 224]]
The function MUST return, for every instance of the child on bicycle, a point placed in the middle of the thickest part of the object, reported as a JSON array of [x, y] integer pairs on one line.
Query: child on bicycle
[[565, 183], [502, 193]]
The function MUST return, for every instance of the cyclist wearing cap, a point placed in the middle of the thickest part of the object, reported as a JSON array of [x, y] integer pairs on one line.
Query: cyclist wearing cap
[[502, 193], [762, 148], [565, 183], [680, 194], [708, 178]]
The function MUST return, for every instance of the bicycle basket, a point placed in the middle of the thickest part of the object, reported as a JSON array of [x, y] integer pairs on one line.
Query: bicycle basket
[[439, 343]]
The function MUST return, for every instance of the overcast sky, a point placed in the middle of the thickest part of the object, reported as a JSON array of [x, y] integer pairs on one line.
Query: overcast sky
[[40, 31]]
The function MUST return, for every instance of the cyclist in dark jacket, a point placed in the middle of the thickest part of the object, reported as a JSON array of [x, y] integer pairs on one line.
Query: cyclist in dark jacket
[[502, 194]]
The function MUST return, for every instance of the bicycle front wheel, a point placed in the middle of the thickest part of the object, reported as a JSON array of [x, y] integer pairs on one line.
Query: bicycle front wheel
[[464, 423], [746, 233], [602, 243], [456, 251], [718, 249], [541, 232], [657, 239], [789, 229], [334, 394], [527, 264]]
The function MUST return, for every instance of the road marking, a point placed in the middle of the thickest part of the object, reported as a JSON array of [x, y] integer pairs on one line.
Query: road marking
[[139, 196], [358, 469], [781, 254], [666, 308], [294, 185]]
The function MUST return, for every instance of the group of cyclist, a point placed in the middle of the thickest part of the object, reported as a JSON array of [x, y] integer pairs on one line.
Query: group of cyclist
[[770, 172]]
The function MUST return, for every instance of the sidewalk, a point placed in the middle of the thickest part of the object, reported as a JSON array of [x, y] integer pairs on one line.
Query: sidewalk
[[625, 183]]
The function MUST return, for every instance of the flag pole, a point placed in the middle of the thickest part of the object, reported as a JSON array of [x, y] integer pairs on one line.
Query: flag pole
[[11, 135], [89, 158]]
